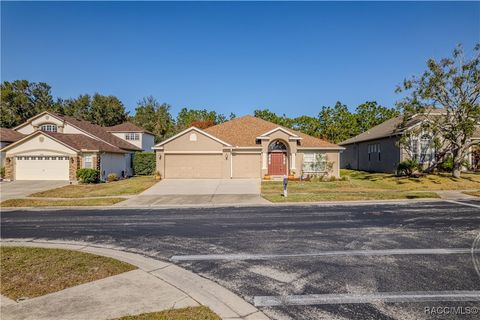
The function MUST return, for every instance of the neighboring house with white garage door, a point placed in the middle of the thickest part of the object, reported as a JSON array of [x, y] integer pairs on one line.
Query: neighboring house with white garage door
[[50, 146], [246, 147]]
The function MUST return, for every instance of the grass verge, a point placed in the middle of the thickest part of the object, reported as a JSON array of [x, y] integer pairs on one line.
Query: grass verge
[[365, 181], [32, 272], [360, 185], [59, 203], [348, 196], [190, 313], [129, 186]]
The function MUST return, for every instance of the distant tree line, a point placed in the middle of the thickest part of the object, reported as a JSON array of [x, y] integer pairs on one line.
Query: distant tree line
[[22, 99], [336, 123]]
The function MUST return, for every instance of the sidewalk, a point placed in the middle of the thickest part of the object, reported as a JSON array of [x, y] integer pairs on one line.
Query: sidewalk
[[154, 286]]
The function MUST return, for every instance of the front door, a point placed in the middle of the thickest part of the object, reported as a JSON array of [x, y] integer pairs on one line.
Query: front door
[[277, 163]]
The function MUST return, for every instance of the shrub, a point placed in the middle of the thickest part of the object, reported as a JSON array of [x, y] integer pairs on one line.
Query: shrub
[[446, 165], [407, 168], [2, 172], [144, 163], [112, 177], [86, 175]]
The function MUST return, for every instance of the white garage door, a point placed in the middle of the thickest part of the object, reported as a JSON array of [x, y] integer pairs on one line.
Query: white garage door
[[41, 168], [193, 166]]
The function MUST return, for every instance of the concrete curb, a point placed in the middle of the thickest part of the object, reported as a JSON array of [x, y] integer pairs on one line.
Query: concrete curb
[[206, 292], [235, 205]]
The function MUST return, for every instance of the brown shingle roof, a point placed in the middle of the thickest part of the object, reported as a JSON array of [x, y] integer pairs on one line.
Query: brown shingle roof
[[395, 126], [384, 129], [100, 132], [127, 127], [242, 132], [83, 142], [9, 135]]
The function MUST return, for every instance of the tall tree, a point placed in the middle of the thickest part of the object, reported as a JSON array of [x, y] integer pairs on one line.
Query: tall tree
[[451, 84], [307, 124], [78, 107], [336, 123], [20, 100], [201, 117], [155, 117], [268, 115], [371, 114], [107, 110]]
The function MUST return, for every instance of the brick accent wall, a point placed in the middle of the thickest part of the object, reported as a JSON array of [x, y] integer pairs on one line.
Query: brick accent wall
[[75, 163], [9, 168], [96, 161]]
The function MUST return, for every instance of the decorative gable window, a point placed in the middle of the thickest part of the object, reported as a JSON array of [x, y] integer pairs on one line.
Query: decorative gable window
[[49, 127], [132, 136], [314, 162]]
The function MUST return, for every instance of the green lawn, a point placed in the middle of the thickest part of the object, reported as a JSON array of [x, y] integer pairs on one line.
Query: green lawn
[[129, 186], [32, 272], [191, 313], [25, 202], [360, 185], [349, 196]]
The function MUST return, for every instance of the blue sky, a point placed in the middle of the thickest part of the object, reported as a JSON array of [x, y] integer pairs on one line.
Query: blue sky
[[289, 57]]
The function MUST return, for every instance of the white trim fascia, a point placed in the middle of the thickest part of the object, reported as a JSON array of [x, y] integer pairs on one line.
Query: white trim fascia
[[190, 129], [33, 134], [240, 148], [247, 152], [193, 152], [264, 135], [295, 138], [321, 148]]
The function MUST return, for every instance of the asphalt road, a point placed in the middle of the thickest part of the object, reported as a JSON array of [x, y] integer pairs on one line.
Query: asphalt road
[[384, 261]]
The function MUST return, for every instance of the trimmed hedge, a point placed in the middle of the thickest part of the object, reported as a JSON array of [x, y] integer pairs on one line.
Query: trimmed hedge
[[144, 163], [87, 175]]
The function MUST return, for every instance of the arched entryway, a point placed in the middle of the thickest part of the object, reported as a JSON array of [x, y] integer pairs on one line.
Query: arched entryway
[[277, 158]]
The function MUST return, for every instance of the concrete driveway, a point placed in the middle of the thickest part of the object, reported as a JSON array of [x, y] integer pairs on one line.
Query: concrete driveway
[[199, 191], [20, 189]]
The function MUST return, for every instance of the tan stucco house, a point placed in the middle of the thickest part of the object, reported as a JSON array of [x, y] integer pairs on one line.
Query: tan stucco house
[[379, 149], [246, 147], [50, 146]]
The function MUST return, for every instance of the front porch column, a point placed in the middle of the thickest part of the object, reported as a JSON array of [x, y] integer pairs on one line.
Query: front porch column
[[292, 166], [264, 160]]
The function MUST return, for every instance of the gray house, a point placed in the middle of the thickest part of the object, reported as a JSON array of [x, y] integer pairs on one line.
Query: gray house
[[378, 150]]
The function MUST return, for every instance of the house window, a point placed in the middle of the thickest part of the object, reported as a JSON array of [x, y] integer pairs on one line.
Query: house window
[[374, 148], [49, 127], [426, 152], [87, 162], [314, 162], [132, 136], [414, 149]]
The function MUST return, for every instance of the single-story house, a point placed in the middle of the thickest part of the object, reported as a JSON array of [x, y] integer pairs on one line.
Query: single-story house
[[51, 146], [246, 147], [379, 150]]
